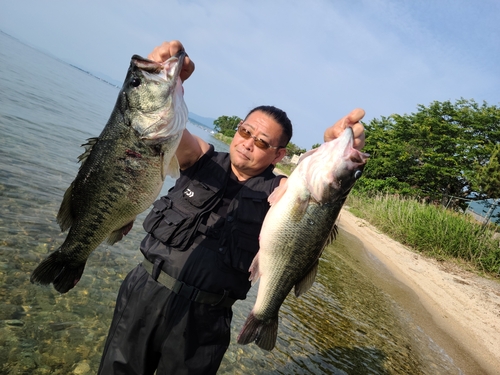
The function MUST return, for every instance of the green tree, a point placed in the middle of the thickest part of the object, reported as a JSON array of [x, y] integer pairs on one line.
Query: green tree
[[227, 125], [436, 150], [293, 149], [488, 176]]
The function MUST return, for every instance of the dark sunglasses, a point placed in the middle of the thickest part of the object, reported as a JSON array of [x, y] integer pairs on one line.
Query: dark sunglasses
[[260, 143]]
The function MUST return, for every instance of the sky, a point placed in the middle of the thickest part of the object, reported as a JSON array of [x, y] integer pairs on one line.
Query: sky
[[316, 59]]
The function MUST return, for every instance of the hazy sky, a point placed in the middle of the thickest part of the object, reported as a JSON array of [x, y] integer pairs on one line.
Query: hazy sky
[[315, 59]]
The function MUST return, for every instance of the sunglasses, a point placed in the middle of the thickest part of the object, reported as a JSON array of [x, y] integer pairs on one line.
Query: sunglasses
[[260, 143]]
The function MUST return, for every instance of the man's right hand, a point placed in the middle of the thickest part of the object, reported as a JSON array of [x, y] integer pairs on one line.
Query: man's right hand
[[166, 50]]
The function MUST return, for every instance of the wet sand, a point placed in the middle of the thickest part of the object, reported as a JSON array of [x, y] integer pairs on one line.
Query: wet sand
[[459, 310]]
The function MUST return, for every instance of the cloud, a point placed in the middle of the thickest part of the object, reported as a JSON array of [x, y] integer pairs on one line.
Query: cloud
[[317, 59]]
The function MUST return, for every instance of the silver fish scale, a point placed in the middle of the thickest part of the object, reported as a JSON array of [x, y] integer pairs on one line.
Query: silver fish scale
[[301, 245]]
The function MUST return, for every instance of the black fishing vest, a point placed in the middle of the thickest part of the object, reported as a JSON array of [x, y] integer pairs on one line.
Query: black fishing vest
[[193, 243]]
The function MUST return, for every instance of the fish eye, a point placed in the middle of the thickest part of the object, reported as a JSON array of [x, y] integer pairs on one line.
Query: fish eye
[[135, 82], [357, 174]]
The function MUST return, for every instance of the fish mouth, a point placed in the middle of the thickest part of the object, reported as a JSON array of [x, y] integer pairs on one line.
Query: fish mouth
[[346, 140], [168, 70], [173, 66], [346, 147], [161, 102]]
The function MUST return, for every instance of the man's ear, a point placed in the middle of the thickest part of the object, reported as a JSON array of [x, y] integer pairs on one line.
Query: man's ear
[[280, 154]]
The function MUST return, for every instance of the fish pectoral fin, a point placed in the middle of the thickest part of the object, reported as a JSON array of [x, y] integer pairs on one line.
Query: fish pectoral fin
[[172, 169], [277, 193], [118, 234], [305, 284], [254, 270], [299, 208], [64, 216]]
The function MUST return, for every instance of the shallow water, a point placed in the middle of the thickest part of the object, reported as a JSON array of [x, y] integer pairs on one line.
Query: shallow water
[[343, 325]]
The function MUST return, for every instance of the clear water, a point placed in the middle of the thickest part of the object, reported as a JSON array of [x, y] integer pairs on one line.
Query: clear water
[[343, 325]]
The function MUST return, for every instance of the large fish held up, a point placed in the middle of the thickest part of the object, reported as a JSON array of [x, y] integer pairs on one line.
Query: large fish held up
[[122, 171], [296, 229]]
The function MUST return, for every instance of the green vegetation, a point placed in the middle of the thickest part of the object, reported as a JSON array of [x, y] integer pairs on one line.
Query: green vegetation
[[223, 138], [445, 149], [285, 168], [426, 161], [227, 125], [293, 149], [489, 174], [432, 230]]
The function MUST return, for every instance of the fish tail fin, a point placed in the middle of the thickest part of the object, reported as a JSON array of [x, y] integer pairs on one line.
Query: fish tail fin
[[263, 333], [55, 269]]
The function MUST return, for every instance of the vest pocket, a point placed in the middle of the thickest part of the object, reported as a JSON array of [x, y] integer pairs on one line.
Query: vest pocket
[[240, 257], [167, 224], [243, 246], [198, 194], [169, 229], [245, 228]]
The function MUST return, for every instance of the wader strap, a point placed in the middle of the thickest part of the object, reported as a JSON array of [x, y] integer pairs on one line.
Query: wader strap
[[187, 291]]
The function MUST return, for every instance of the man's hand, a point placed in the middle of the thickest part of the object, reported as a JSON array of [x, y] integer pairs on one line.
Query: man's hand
[[351, 120], [168, 49]]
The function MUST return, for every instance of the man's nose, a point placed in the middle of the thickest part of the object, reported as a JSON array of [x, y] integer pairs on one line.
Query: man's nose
[[249, 143]]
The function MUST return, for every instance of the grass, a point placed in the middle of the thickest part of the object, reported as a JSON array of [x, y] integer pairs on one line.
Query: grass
[[285, 168], [223, 138], [434, 231]]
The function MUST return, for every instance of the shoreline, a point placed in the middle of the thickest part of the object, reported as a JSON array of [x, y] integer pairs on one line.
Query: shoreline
[[461, 310]]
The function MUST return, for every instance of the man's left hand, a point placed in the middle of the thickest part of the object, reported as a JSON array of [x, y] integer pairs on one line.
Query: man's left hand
[[351, 120]]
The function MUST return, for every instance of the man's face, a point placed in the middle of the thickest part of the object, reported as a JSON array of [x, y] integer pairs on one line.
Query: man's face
[[248, 160]]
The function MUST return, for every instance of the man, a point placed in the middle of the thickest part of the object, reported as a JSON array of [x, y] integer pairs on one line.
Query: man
[[173, 312]]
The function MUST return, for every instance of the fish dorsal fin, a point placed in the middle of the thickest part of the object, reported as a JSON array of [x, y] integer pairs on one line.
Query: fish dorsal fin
[[64, 216], [305, 284], [172, 169], [254, 270], [277, 193], [88, 149]]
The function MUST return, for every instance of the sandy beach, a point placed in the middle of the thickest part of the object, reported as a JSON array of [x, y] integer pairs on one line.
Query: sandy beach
[[462, 310]]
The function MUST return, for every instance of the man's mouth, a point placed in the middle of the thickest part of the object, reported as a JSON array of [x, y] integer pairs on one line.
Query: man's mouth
[[243, 154]]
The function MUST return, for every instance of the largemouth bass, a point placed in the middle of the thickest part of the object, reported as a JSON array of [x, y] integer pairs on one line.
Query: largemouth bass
[[296, 229], [122, 171]]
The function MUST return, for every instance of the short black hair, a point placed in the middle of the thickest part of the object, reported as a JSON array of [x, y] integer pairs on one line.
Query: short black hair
[[280, 117]]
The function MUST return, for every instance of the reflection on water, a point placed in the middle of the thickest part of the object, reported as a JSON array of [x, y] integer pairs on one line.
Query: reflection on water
[[343, 325]]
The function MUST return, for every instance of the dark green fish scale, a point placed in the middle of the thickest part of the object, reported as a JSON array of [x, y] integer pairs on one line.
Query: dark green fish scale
[[121, 174]]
